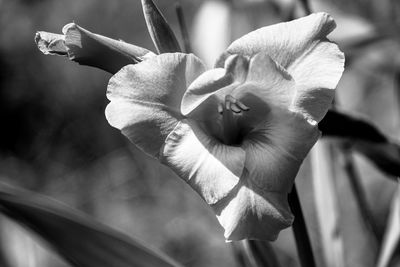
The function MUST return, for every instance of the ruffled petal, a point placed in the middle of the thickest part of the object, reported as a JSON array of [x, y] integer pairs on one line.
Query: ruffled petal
[[276, 148], [213, 85], [269, 81], [204, 87], [315, 85], [301, 47], [258, 207], [145, 98], [209, 167], [250, 212], [257, 83]]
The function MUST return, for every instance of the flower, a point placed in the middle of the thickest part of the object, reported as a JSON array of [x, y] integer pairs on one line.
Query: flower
[[238, 133]]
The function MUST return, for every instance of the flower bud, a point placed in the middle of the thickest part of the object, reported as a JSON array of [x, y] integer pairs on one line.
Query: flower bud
[[160, 32]]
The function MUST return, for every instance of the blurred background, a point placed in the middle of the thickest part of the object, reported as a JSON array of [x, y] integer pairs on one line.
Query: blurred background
[[54, 138]]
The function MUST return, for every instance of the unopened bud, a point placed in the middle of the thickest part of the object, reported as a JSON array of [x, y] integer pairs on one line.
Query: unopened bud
[[160, 32]]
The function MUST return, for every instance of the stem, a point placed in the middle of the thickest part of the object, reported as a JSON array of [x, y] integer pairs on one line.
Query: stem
[[182, 26], [300, 231], [262, 253]]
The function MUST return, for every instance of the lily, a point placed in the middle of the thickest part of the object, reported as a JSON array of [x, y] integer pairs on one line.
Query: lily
[[237, 133]]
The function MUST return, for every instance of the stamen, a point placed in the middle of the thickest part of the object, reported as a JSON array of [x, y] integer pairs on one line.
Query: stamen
[[242, 106], [230, 110], [220, 108], [235, 108]]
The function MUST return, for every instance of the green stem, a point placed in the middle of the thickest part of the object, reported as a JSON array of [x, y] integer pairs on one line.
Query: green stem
[[301, 236]]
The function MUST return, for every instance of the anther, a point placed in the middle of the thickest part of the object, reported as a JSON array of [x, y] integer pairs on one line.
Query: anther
[[231, 103], [220, 108]]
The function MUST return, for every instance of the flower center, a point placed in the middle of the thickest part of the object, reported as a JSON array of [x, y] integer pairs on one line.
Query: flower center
[[231, 110]]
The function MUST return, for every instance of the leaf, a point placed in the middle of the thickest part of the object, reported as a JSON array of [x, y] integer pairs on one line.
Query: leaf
[[80, 240], [385, 156], [365, 138], [330, 240], [340, 124], [344, 237], [160, 32], [391, 240]]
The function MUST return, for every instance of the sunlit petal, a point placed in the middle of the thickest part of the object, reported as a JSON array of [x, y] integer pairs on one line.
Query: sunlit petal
[[208, 166], [250, 212], [269, 81], [145, 98], [315, 85], [204, 87], [301, 47], [213, 85]]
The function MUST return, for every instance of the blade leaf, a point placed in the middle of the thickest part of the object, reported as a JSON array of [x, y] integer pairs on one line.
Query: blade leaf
[[392, 236], [77, 238]]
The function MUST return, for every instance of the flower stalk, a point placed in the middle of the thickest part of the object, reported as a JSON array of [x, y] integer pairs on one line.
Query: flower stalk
[[301, 236]]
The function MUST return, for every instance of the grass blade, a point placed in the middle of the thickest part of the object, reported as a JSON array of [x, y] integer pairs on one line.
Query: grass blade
[[327, 209], [77, 238], [391, 240]]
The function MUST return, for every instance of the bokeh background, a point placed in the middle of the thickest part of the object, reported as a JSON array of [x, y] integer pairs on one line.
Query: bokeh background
[[54, 138]]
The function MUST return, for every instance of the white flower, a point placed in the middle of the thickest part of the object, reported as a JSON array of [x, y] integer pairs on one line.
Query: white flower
[[238, 133]]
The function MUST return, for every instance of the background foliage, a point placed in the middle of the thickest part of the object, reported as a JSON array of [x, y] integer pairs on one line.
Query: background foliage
[[54, 138]]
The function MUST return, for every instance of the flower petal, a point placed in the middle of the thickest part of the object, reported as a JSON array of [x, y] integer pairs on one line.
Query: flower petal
[[204, 87], [272, 83], [253, 213], [215, 82], [301, 47], [258, 207], [209, 167], [51, 43], [258, 83], [277, 147], [315, 85], [145, 98]]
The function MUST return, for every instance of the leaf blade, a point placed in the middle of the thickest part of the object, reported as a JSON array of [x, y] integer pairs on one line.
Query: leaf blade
[[392, 235], [82, 242]]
